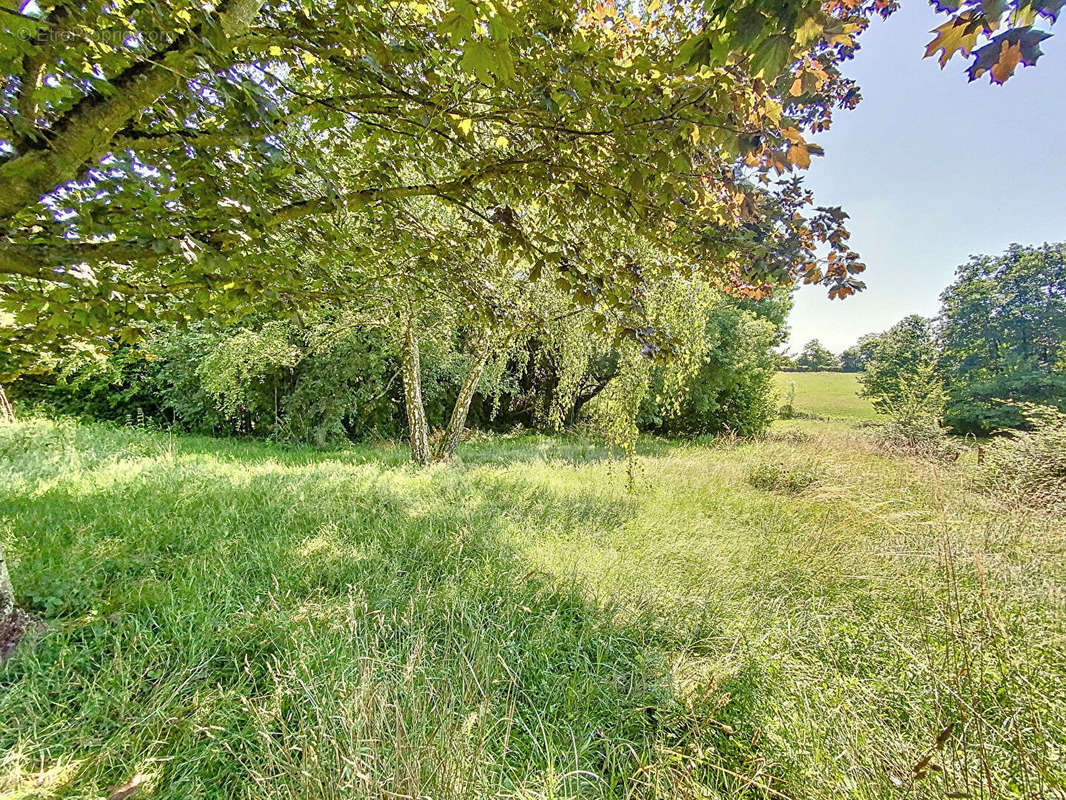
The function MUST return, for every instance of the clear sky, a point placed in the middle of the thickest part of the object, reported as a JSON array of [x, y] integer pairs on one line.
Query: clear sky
[[932, 169]]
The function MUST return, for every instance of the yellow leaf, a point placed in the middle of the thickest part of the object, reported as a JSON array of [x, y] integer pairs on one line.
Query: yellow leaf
[[465, 126], [956, 35], [772, 109], [799, 155]]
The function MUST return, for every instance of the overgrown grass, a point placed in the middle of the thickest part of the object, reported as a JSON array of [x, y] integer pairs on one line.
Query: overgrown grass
[[232, 619], [828, 395]]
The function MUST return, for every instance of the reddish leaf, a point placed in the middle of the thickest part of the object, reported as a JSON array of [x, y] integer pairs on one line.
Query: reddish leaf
[[1001, 56]]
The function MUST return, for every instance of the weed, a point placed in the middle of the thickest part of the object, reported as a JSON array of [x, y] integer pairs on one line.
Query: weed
[[1029, 467], [789, 479]]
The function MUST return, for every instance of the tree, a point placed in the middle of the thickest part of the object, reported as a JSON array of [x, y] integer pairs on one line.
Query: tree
[[901, 355], [1002, 329], [6, 412], [731, 388], [856, 357], [816, 358], [165, 163]]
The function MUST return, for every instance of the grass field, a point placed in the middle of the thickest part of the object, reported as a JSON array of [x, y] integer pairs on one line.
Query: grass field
[[832, 395], [228, 619]]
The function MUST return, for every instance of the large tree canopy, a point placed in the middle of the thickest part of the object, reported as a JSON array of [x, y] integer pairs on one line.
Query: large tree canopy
[[171, 159], [160, 159], [1003, 337]]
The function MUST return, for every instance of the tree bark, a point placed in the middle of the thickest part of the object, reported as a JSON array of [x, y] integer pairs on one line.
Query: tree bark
[[457, 423], [7, 414], [7, 592], [418, 428]]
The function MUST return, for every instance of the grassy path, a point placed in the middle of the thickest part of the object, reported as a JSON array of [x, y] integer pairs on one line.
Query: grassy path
[[231, 619]]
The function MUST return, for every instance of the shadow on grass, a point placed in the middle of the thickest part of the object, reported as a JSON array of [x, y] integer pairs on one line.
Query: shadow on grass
[[276, 627]]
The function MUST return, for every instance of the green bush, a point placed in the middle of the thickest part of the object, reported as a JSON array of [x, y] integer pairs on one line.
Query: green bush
[[332, 378], [914, 402], [316, 383], [903, 366], [732, 391]]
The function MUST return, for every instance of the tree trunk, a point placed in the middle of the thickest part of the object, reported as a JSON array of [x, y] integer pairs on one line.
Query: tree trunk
[[7, 592], [454, 431], [6, 412], [417, 426]]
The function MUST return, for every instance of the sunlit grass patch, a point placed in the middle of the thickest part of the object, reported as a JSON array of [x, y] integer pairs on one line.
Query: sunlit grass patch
[[236, 619], [829, 395]]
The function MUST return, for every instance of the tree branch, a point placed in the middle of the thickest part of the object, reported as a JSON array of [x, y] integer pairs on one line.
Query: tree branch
[[86, 131]]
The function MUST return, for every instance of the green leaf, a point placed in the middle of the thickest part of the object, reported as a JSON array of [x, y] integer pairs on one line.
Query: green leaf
[[478, 60], [457, 25], [771, 57]]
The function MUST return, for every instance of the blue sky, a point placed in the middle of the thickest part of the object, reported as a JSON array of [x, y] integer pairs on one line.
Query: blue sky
[[932, 169]]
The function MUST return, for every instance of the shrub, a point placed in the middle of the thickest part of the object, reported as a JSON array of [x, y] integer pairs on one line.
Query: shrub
[[1030, 466], [792, 437], [732, 390], [317, 383], [902, 366], [919, 436], [914, 405]]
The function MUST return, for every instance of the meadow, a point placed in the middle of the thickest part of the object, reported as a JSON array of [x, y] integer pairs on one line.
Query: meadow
[[828, 395], [798, 616]]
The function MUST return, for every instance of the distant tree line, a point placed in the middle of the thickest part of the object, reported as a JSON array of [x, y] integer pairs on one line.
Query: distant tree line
[[998, 342], [814, 357]]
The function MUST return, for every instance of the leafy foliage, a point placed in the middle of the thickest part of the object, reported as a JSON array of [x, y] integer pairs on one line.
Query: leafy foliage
[[915, 408], [322, 383], [995, 36], [335, 376], [856, 357], [901, 377], [181, 160], [903, 382], [731, 388], [1003, 337]]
